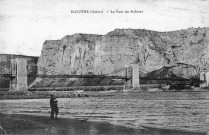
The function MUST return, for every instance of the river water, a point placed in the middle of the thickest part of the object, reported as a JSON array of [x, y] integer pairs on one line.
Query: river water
[[170, 110]]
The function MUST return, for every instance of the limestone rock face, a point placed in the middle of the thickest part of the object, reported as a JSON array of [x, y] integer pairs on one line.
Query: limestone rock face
[[103, 54], [178, 71]]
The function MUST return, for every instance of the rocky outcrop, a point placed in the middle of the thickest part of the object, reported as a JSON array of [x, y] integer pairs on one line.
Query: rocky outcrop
[[179, 71], [102, 54]]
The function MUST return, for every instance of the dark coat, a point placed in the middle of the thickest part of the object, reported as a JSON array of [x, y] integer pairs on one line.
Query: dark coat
[[52, 102]]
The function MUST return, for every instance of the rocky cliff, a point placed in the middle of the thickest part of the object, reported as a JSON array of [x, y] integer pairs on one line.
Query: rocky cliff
[[101, 54], [187, 51]]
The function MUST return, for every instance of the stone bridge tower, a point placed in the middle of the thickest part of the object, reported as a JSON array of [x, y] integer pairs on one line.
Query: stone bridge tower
[[19, 71], [135, 76]]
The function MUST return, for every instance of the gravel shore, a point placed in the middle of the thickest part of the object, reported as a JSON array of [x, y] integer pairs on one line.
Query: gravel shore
[[42, 125]]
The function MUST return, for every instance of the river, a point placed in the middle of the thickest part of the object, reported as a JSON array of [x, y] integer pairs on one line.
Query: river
[[169, 110]]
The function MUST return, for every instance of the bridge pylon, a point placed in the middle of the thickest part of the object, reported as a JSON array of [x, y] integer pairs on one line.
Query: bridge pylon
[[135, 76], [204, 76], [13, 81], [19, 69]]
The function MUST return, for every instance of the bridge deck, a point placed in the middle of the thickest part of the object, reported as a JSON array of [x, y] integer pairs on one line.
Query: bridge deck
[[7, 75], [82, 76], [94, 76], [69, 76]]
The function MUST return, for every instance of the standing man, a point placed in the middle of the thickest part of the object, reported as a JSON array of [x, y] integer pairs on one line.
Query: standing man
[[52, 106]]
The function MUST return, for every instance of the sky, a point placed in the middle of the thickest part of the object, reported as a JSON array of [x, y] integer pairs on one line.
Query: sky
[[26, 24]]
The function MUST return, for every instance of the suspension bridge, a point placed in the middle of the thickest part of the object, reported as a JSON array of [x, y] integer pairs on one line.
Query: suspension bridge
[[19, 77], [17, 71]]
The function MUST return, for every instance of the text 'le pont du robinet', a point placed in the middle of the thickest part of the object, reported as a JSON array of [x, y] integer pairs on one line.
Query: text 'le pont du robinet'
[[107, 11]]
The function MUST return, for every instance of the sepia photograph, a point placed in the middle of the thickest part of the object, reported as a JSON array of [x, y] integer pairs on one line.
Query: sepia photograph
[[104, 67]]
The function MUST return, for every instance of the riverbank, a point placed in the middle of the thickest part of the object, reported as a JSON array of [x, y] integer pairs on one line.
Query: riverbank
[[42, 125]]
